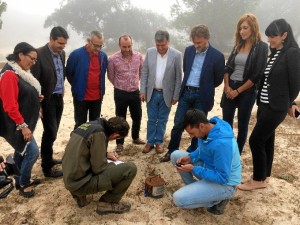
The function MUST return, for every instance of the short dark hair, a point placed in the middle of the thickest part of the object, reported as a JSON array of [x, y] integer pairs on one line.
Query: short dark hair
[[119, 126], [161, 35], [279, 27], [57, 32], [194, 117], [21, 47]]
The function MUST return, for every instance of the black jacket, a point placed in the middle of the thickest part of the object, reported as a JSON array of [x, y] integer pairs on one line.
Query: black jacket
[[44, 71], [255, 64], [283, 80]]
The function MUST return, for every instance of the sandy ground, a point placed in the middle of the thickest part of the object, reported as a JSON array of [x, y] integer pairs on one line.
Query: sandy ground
[[278, 204]]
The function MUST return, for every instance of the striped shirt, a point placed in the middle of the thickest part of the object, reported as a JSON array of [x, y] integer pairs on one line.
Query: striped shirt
[[264, 95]]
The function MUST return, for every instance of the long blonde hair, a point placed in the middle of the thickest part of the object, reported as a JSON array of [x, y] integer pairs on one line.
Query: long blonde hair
[[253, 23]]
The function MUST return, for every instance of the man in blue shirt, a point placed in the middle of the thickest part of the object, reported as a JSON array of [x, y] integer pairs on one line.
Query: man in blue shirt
[[203, 68], [49, 70], [213, 170]]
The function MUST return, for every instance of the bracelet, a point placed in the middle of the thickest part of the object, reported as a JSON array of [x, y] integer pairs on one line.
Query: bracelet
[[237, 91], [21, 126]]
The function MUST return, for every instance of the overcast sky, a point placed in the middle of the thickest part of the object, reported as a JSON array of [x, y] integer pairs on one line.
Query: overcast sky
[[24, 20]]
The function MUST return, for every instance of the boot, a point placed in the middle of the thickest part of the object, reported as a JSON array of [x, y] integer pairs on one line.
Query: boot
[[218, 209]]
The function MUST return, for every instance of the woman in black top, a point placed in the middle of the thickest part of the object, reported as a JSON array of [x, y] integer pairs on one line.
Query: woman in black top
[[243, 70], [278, 89]]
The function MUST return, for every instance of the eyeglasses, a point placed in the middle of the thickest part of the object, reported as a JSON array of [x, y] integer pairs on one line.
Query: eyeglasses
[[32, 58], [97, 46]]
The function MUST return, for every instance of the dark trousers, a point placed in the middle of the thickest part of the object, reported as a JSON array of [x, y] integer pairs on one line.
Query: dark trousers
[[83, 108], [51, 119], [244, 103], [131, 100], [262, 140], [115, 180], [189, 100]]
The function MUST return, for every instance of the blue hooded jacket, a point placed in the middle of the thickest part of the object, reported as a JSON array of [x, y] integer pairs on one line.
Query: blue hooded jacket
[[219, 155]]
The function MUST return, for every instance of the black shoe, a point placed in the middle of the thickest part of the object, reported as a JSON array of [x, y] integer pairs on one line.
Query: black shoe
[[166, 157], [218, 209], [57, 161], [80, 200], [53, 173]]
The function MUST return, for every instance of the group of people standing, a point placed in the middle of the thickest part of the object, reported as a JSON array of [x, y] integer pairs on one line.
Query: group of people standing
[[32, 84]]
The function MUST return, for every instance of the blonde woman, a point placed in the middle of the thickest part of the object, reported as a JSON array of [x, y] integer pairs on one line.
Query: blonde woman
[[243, 71]]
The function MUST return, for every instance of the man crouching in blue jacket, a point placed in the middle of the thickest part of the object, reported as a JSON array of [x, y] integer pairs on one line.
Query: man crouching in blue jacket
[[212, 172]]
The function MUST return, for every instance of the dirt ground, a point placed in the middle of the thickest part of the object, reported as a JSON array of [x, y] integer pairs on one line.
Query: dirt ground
[[278, 204]]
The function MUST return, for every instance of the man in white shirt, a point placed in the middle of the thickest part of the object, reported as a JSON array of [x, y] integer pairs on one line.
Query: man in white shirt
[[160, 86]]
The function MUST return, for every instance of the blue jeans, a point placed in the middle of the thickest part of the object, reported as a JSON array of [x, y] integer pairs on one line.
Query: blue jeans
[[198, 192], [244, 103], [158, 113], [26, 162], [188, 100]]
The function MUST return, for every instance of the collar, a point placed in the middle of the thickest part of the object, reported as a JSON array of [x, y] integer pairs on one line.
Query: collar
[[25, 75], [52, 52]]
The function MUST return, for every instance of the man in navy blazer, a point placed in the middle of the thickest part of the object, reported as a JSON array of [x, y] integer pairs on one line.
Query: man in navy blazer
[[203, 68]]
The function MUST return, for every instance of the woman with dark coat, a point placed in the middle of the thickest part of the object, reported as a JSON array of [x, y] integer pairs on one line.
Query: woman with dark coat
[[20, 96], [243, 71], [278, 89]]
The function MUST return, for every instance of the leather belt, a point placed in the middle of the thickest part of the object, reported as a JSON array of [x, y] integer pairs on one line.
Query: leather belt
[[191, 88], [157, 89]]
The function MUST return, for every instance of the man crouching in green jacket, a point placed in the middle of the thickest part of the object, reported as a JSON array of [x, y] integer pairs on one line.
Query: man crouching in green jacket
[[86, 170]]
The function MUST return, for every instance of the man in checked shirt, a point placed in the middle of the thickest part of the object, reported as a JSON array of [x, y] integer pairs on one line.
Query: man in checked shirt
[[124, 72]]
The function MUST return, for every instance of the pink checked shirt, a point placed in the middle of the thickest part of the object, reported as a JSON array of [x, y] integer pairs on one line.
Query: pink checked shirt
[[123, 74]]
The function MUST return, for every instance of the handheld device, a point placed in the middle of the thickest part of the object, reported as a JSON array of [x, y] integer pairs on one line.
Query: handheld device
[[179, 164]]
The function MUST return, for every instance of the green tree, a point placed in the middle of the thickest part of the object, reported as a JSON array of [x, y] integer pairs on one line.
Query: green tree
[[220, 17], [112, 17], [3, 7]]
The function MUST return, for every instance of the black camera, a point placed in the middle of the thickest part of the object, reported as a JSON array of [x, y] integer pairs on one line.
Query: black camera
[[6, 183]]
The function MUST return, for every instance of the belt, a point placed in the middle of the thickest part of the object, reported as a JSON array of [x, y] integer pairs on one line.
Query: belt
[[236, 81], [57, 95], [157, 89], [191, 88]]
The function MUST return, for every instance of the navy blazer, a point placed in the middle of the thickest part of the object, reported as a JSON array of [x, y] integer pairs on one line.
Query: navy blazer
[[211, 74]]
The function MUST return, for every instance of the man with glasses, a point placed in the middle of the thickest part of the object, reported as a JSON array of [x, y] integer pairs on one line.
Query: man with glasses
[[86, 68], [49, 69], [124, 72], [203, 68]]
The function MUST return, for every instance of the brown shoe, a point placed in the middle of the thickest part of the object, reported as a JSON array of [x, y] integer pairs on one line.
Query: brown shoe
[[159, 149], [138, 141], [147, 148], [106, 207], [119, 148], [252, 185]]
